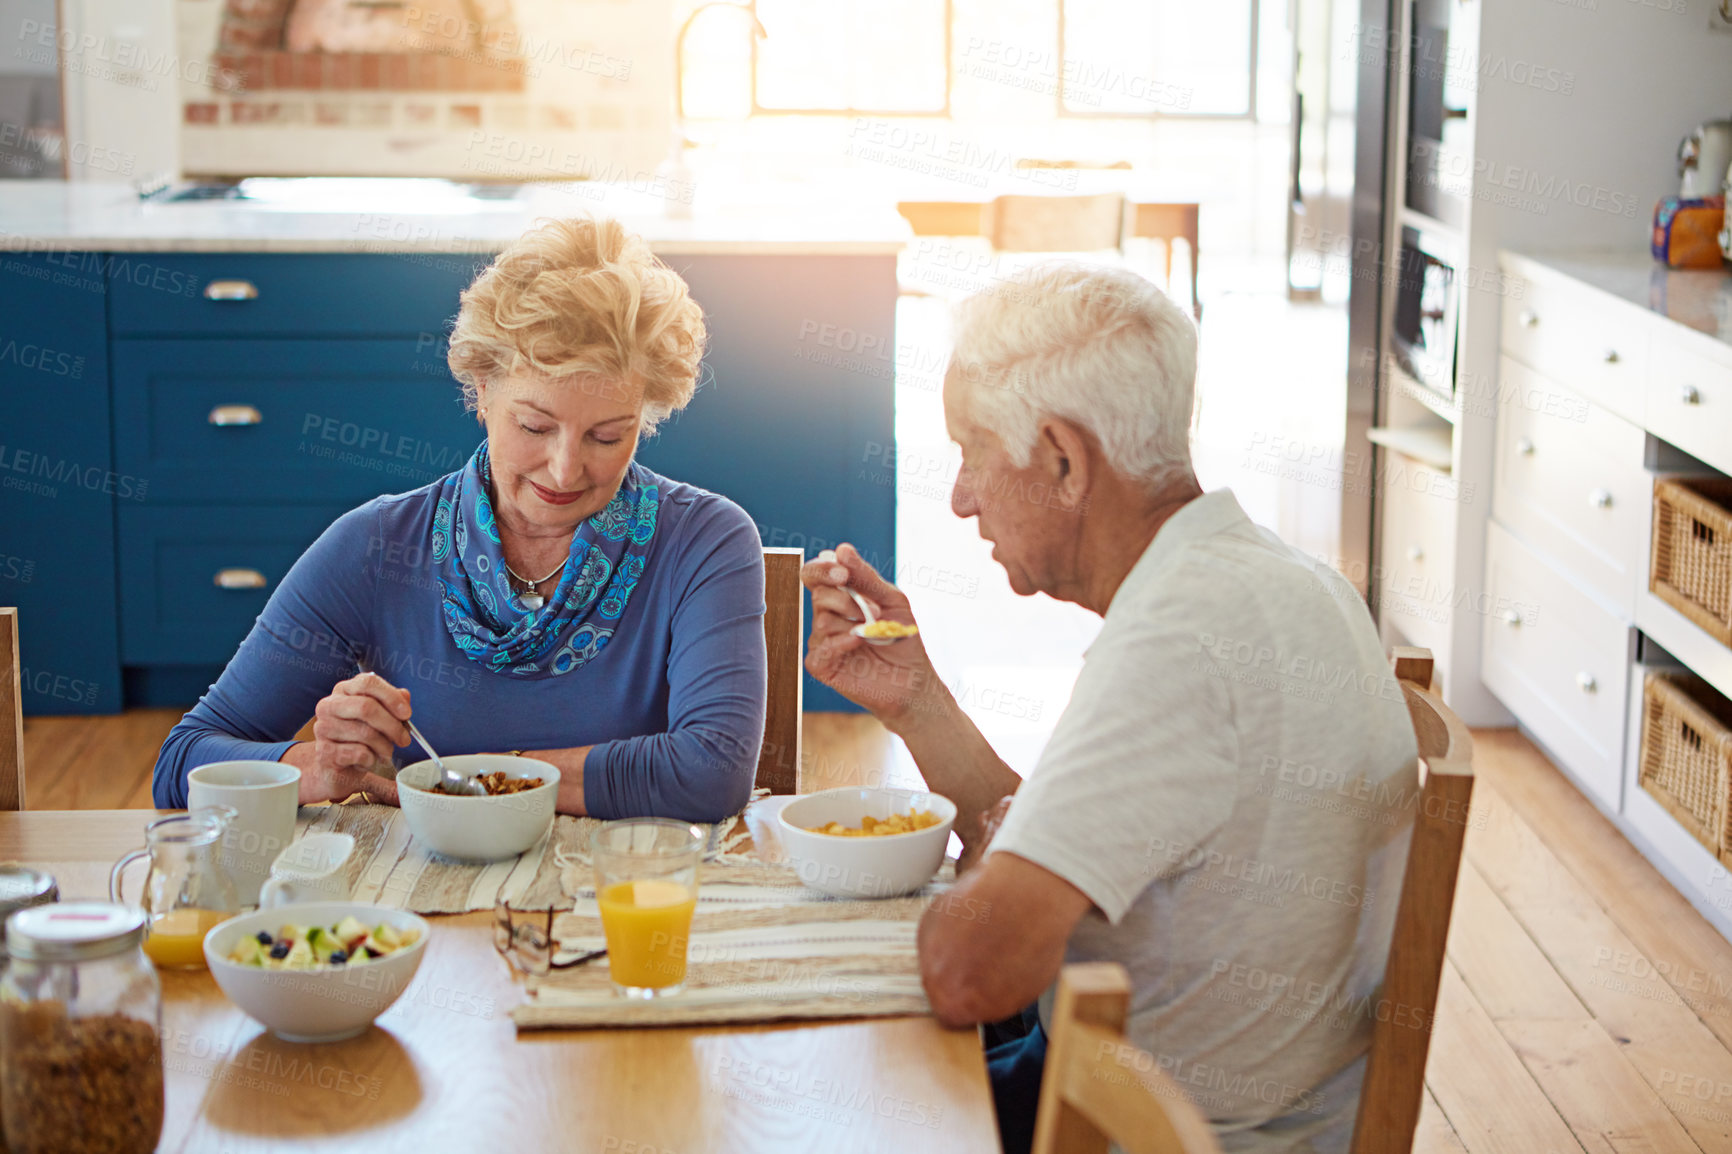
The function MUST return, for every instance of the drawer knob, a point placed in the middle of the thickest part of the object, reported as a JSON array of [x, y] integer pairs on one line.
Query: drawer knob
[[239, 579], [1610, 356], [1415, 553], [1692, 395], [1512, 618], [231, 290], [1600, 499], [1525, 446], [227, 415], [1586, 682], [1528, 319]]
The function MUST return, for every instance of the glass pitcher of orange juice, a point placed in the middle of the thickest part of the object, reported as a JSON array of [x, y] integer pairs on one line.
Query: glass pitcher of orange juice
[[646, 883], [186, 891]]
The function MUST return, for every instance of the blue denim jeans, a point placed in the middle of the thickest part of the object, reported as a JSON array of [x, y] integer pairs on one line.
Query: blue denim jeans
[[1015, 1056]]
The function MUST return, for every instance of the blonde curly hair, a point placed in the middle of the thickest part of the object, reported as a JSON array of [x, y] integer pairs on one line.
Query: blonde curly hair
[[581, 298]]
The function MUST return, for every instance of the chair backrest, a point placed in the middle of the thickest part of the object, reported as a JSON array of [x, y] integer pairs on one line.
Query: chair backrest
[[1394, 1084], [11, 715], [1098, 1088], [779, 761], [1056, 223]]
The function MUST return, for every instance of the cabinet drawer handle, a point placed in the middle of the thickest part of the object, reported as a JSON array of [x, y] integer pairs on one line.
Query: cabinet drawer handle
[[231, 290], [1525, 446], [1586, 682], [227, 415], [1610, 356], [1512, 619], [1600, 499], [1415, 553], [1528, 319], [239, 579], [1692, 395]]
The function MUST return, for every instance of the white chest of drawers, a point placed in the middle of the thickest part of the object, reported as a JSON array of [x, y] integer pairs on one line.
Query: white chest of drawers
[[1611, 372]]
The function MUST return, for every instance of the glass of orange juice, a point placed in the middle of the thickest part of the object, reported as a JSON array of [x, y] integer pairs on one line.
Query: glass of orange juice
[[646, 883], [186, 891]]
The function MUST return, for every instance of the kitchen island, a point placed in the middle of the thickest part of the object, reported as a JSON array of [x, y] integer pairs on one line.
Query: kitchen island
[[190, 391]]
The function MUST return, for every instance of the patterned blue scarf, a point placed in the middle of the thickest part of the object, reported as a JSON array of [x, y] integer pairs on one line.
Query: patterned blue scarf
[[486, 618]]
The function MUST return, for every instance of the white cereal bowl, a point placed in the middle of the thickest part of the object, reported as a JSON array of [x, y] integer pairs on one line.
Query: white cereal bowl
[[864, 867], [478, 829], [322, 1005]]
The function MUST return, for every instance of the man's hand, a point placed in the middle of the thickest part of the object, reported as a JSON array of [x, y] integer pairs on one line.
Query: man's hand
[[990, 820], [889, 680]]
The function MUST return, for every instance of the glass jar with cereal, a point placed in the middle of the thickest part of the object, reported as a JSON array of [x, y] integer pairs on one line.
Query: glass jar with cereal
[[80, 1032]]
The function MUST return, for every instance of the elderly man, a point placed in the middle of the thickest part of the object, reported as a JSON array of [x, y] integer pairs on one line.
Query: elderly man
[[1226, 803]]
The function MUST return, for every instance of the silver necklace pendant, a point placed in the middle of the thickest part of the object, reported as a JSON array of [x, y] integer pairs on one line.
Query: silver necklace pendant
[[531, 600]]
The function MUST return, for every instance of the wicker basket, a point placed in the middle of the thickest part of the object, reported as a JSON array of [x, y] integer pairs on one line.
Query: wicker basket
[[1687, 756], [1691, 567]]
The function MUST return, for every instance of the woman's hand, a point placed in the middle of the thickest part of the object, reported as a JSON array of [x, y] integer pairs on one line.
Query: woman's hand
[[356, 731], [892, 681]]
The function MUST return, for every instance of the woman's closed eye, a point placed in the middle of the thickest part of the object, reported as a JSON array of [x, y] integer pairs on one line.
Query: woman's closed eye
[[541, 432]]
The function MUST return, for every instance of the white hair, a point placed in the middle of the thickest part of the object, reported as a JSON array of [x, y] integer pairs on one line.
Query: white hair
[[1100, 347]]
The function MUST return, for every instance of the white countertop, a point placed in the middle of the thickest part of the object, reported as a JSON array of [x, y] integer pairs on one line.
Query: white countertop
[[1701, 300], [42, 216]]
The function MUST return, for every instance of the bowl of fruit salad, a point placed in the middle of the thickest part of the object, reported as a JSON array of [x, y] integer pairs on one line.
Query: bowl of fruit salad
[[316, 971]]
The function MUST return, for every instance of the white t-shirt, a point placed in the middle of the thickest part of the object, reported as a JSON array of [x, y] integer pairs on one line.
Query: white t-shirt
[[1233, 785]]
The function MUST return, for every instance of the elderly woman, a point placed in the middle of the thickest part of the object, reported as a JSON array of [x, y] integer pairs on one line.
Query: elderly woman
[[553, 596], [1156, 830]]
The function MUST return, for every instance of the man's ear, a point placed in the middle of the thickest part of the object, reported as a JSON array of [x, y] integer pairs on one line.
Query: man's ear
[[1070, 453]]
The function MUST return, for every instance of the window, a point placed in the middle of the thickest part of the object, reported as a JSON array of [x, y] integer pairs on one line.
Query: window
[[843, 57], [899, 57], [1159, 58], [853, 56]]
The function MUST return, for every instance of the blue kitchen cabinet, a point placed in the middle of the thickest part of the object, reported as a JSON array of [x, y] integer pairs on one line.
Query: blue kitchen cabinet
[[193, 583], [248, 421], [295, 295], [57, 480], [214, 439]]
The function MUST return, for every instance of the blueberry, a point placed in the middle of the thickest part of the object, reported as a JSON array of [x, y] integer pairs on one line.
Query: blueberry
[[280, 950], [264, 938], [338, 957]]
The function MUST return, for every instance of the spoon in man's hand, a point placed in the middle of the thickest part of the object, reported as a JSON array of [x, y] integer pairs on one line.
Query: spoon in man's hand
[[829, 555]]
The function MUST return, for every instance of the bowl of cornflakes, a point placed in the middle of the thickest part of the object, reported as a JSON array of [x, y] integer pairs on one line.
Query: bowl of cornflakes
[[866, 843]]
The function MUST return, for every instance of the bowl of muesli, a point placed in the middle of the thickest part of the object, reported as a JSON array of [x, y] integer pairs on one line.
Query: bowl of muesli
[[514, 814]]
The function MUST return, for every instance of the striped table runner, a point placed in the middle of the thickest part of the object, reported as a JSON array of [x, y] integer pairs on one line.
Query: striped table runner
[[763, 948], [391, 869]]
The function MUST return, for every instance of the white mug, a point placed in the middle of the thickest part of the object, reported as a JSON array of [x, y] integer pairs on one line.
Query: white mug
[[311, 870], [264, 796]]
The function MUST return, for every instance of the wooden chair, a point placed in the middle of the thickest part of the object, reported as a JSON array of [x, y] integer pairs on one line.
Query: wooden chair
[[1062, 224], [11, 715], [1168, 223], [1055, 223], [1394, 1085], [1097, 1087], [779, 761]]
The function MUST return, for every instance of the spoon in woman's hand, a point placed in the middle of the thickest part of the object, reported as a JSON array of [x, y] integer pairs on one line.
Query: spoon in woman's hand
[[450, 781], [865, 608]]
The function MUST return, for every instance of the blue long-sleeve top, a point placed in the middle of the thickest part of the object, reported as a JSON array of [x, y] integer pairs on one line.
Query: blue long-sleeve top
[[673, 705]]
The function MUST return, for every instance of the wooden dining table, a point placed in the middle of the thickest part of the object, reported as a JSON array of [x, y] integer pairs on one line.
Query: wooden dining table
[[444, 1069]]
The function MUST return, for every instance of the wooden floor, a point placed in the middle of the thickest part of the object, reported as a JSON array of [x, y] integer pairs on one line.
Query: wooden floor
[[1585, 1006]]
